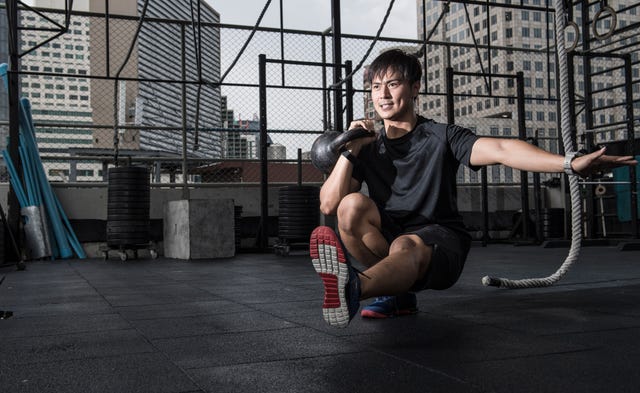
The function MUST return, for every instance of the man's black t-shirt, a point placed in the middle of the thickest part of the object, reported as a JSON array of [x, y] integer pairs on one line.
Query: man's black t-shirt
[[413, 178]]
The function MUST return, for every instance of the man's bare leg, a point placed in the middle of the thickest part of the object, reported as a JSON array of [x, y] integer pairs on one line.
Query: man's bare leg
[[359, 225], [407, 262], [392, 269]]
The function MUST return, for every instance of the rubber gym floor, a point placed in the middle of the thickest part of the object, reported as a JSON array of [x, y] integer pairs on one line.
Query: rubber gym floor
[[253, 323]]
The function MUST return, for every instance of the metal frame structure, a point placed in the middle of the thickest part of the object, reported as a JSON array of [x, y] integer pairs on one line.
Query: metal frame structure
[[338, 101]]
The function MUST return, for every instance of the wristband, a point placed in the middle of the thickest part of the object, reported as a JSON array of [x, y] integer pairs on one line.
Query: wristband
[[568, 158], [352, 159]]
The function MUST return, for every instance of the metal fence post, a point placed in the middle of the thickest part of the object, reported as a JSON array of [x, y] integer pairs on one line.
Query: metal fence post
[[263, 230]]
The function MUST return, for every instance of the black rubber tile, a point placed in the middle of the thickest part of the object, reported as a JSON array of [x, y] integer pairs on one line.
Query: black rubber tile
[[209, 324], [238, 286], [369, 372], [79, 306], [198, 270], [60, 324], [120, 274], [592, 371], [41, 276], [251, 347], [12, 294], [114, 374], [275, 269], [292, 310], [254, 323], [61, 347], [275, 293], [594, 264], [617, 300], [620, 340], [181, 310], [445, 342], [224, 280], [167, 293], [548, 317], [312, 318]]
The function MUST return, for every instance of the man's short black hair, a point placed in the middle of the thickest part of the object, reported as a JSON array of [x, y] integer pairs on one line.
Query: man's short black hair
[[396, 60]]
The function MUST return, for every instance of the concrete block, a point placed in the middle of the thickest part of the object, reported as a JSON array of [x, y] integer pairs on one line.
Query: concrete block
[[199, 229]]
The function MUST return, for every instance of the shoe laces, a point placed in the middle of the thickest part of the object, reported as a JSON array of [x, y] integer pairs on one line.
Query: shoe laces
[[360, 272], [382, 299]]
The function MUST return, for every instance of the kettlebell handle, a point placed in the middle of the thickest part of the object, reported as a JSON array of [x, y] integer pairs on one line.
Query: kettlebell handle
[[348, 136], [326, 148]]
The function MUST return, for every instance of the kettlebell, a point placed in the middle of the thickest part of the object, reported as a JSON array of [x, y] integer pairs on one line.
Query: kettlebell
[[327, 147]]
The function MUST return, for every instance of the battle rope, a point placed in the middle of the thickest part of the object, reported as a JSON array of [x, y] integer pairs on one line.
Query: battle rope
[[576, 207], [246, 43], [197, 47]]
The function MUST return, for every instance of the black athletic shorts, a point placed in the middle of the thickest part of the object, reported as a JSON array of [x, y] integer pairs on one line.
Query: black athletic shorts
[[450, 249]]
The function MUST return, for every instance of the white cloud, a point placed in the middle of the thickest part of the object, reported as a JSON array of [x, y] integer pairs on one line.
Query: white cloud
[[357, 16], [365, 17]]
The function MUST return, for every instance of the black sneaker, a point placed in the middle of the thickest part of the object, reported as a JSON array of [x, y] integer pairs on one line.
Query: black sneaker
[[340, 279]]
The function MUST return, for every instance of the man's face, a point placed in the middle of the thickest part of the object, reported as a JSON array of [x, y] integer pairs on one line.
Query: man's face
[[393, 96]]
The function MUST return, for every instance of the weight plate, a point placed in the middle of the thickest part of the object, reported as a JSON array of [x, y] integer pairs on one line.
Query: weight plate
[[126, 211], [128, 187], [127, 217], [128, 169], [128, 204]]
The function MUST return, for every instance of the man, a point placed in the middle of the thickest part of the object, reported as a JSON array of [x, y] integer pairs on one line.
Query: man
[[408, 232]]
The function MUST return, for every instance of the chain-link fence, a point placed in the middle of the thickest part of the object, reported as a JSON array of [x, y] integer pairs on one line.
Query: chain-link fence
[[180, 96]]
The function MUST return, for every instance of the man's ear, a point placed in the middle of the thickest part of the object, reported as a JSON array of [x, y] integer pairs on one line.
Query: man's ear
[[415, 89]]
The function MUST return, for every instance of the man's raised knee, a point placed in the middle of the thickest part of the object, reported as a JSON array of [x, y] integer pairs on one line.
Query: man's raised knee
[[352, 210]]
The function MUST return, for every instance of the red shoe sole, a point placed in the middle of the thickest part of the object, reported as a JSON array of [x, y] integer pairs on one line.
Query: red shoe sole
[[330, 263]]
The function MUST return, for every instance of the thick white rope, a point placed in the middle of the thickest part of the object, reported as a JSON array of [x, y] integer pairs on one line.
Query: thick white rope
[[576, 206]]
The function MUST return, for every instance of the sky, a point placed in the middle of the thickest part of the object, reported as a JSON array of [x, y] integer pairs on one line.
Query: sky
[[362, 17], [357, 16]]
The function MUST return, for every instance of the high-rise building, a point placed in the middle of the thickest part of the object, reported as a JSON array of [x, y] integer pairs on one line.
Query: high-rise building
[[172, 34], [485, 98], [152, 106], [161, 103], [56, 82]]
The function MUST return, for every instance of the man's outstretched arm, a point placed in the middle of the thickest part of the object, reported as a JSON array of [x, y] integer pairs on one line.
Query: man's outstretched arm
[[521, 155]]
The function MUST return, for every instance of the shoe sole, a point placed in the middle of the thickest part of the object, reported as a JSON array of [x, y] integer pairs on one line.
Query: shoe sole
[[330, 263]]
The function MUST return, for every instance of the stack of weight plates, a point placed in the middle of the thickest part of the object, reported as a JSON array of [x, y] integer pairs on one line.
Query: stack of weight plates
[[128, 207], [299, 212]]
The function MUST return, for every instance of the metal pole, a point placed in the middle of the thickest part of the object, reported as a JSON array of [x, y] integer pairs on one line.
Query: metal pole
[[631, 144], [485, 206], [337, 61], [262, 236], [524, 176], [281, 42], [349, 92], [107, 23], [424, 42], [299, 167], [13, 210], [450, 112], [326, 96], [590, 218], [537, 200], [185, 186]]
